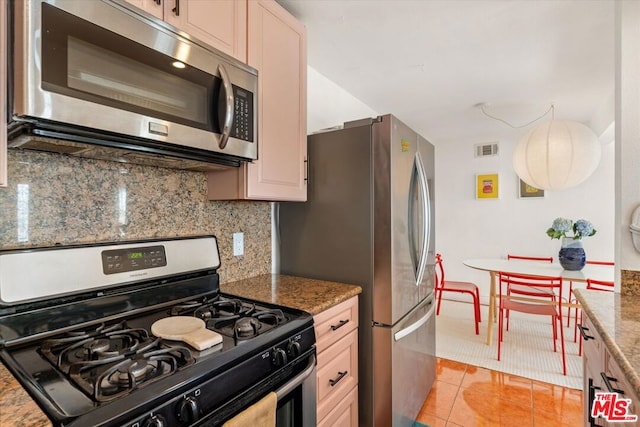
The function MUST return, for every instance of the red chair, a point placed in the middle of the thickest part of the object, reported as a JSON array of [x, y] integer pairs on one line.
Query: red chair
[[530, 258], [459, 287], [572, 298], [594, 285], [530, 305], [599, 285], [529, 291]]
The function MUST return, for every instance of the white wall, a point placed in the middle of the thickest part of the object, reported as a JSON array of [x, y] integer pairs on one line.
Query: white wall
[[329, 105], [470, 228]]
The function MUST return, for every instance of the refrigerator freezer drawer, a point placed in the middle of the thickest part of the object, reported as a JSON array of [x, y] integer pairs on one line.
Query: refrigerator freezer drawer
[[404, 366]]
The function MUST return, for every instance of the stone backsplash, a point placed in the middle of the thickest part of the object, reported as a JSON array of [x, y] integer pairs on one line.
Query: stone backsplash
[[630, 282], [57, 199]]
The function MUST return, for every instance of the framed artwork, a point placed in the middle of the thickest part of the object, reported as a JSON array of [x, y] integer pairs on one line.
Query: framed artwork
[[487, 186], [529, 192]]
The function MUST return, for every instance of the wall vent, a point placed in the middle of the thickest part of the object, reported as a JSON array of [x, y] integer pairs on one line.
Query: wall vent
[[484, 150]]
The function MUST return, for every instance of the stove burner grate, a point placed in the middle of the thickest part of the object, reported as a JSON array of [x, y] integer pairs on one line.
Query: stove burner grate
[[247, 327], [109, 362], [129, 374]]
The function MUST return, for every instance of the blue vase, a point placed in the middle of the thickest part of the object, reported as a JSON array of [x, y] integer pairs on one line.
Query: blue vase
[[572, 256]]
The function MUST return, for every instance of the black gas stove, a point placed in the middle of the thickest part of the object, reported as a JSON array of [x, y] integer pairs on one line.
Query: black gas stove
[[89, 358]]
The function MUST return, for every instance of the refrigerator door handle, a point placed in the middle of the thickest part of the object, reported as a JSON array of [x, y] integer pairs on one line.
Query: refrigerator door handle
[[425, 217], [415, 325]]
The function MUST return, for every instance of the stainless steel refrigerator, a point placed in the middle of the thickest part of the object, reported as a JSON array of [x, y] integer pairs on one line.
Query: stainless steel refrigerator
[[369, 220]]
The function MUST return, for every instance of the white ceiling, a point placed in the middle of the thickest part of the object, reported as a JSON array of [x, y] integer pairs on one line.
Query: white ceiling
[[430, 62]]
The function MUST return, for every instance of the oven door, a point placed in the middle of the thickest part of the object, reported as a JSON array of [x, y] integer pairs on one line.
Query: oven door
[[100, 66], [297, 399], [295, 391]]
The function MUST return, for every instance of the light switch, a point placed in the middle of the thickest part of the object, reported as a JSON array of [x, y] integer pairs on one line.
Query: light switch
[[238, 244]]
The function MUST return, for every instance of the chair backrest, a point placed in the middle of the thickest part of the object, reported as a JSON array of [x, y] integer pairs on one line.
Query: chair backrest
[[530, 258], [439, 271], [599, 285], [536, 283], [600, 262]]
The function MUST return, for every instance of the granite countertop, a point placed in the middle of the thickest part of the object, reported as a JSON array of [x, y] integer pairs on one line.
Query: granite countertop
[[310, 295], [617, 320], [313, 296], [16, 406]]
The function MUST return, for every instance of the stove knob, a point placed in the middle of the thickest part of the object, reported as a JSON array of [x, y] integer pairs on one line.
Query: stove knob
[[155, 421], [293, 349], [188, 410], [279, 357]]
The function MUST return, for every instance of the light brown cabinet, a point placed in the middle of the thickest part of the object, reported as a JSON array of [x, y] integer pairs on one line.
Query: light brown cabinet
[[277, 49], [221, 23], [601, 373], [337, 369], [264, 35]]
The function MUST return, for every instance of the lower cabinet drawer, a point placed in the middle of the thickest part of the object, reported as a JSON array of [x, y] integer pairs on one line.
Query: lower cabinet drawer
[[345, 414], [335, 323], [337, 373]]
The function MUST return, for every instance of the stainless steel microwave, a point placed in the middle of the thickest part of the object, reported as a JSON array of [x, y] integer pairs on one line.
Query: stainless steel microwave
[[104, 76]]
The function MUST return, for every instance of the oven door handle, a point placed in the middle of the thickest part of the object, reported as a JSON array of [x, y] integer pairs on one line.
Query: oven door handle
[[298, 379]]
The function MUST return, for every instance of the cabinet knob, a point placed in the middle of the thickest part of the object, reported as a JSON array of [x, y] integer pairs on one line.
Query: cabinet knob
[[341, 375], [584, 333], [607, 382], [339, 325]]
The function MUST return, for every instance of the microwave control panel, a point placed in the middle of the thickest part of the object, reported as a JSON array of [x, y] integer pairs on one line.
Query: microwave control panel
[[242, 114]]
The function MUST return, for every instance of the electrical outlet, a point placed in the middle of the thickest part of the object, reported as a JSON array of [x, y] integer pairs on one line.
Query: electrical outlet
[[238, 244]]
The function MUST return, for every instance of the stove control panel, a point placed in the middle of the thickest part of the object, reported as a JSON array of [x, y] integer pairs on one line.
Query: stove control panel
[[132, 259]]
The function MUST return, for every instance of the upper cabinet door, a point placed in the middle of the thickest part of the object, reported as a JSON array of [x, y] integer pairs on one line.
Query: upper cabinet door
[[277, 49], [153, 7], [220, 23]]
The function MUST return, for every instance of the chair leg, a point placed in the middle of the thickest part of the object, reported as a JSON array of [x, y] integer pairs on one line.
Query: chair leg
[[476, 312], [500, 321], [555, 332], [564, 358], [569, 308], [580, 345], [575, 326], [439, 301]]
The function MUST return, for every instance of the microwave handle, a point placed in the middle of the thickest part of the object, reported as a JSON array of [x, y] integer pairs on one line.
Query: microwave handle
[[228, 115]]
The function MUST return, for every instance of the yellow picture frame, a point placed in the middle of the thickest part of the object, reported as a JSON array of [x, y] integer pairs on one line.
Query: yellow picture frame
[[487, 186]]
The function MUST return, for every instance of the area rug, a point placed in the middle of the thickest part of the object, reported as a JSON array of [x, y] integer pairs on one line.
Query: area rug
[[527, 349]]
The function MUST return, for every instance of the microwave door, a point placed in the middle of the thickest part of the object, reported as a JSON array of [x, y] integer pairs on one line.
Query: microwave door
[[105, 75]]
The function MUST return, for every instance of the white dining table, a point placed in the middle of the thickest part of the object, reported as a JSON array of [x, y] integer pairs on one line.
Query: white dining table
[[533, 268]]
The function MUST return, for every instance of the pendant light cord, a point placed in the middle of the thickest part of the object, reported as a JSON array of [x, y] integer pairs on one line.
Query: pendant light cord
[[551, 108]]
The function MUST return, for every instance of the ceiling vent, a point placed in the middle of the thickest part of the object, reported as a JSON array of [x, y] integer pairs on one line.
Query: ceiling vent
[[484, 150]]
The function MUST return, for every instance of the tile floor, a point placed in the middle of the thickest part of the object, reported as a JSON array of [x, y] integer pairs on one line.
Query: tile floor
[[469, 396]]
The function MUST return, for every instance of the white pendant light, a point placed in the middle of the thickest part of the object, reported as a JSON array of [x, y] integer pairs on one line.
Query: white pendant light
[[557, 154]]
